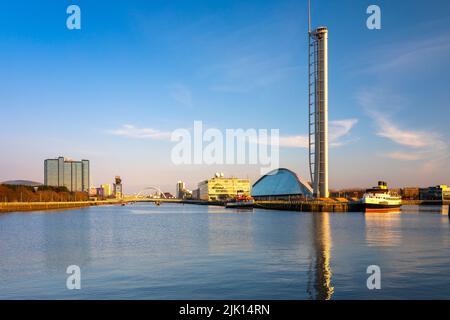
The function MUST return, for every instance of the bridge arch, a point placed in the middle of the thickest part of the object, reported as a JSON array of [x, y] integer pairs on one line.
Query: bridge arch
[[151, 188]]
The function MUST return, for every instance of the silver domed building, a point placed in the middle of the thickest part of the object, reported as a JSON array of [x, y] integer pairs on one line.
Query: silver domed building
[[281, 184]]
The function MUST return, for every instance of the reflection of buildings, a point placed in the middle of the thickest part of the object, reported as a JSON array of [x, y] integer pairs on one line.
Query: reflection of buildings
[[63, 172], [322, 247], [383, 229], [221, 188], [434, 209], [67, 240]]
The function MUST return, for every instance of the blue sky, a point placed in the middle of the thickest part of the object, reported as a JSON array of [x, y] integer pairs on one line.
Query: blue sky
[[155, 66]]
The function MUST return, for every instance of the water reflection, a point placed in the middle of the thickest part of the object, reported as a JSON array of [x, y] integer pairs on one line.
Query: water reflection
[[169, 255], [225, 235], [66, 239], [434, 209], [383, 229], [321, 238]]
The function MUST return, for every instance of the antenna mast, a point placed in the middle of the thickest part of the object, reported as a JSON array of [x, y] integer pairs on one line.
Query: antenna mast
[[309, 16]]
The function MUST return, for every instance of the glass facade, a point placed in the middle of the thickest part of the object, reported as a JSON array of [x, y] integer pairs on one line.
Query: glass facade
[[51, 172], [61, 172], [77, 176], [67, 175], [74, 175], [85, 175], [281, 184]]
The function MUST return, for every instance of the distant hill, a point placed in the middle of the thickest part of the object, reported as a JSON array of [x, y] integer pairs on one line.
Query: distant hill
[[22, 183]]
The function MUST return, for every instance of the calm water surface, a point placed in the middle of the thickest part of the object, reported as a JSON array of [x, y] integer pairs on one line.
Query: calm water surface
[[197, 252]]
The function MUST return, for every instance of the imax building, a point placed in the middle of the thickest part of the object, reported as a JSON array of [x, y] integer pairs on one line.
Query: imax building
[[281, 184]]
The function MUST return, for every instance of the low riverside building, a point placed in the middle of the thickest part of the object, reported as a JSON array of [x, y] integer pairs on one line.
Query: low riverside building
[[281, 184], [220, 188], [196, 194], [182, 192], [100, 192], [107, 189], [410, 193], [436, 193], [92, 191]]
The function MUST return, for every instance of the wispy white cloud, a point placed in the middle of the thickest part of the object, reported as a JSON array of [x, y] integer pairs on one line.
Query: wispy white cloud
[[423, 145], [294, 141], [409, 138], [130, 131], [250, 72], [405, 156], [416, 53], [338, 129], [416, 144]]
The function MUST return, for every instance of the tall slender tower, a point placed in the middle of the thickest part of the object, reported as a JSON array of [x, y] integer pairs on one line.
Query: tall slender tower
[[318, 107]]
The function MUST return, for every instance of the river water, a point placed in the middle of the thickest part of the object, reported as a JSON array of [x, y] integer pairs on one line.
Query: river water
[[176, 251]]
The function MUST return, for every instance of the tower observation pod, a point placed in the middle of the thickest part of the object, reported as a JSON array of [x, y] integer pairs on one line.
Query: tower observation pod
[[318, 109]]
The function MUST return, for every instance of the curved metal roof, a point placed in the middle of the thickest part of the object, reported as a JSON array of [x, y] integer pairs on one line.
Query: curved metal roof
[[281, 182]]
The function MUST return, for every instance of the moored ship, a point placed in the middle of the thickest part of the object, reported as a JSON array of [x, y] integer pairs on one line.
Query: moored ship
[[241, 201], [380, 199]]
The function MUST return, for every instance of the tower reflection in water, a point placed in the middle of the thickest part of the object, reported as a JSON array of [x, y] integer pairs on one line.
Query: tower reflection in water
[[319, 283]]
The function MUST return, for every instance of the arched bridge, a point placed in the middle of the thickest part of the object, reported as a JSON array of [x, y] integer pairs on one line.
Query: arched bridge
[[139, 194]]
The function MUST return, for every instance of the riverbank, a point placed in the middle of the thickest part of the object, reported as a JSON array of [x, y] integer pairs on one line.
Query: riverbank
[[426, 202], [302, 206], [38, 206], [306, 206]]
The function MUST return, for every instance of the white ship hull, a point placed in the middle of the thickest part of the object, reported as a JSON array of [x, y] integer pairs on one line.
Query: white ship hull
[[383, 203], [380, 199]]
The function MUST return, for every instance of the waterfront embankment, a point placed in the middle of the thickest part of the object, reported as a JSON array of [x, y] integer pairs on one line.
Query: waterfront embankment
[[302, 206], [306, 206], [182, 201], [37, 206]]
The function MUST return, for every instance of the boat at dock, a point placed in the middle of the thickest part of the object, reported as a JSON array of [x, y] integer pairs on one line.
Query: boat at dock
[[380, 199], [241, 201]]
